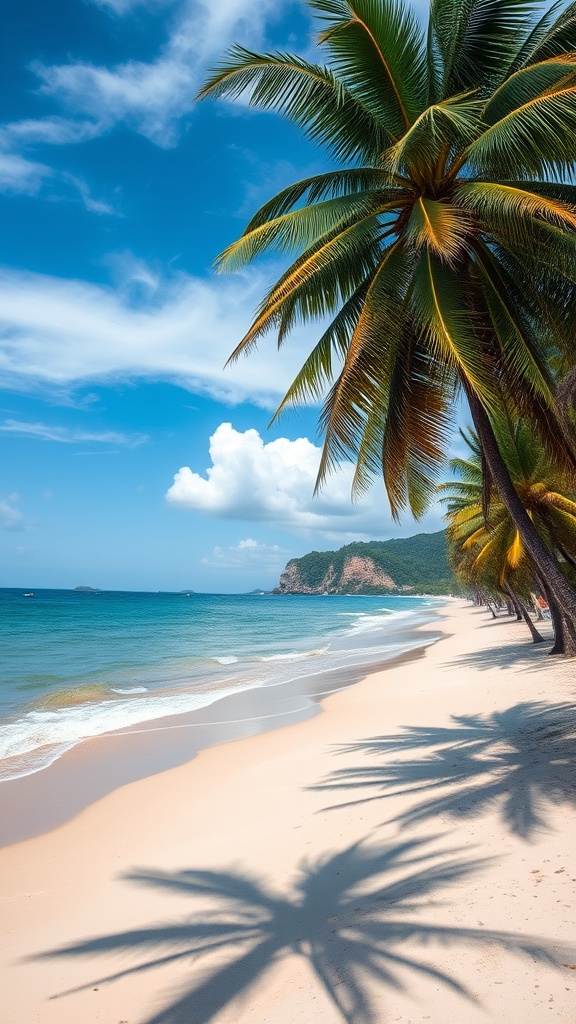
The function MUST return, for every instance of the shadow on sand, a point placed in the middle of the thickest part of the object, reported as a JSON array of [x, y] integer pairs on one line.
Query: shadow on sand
[[354, 916], [520, 760]]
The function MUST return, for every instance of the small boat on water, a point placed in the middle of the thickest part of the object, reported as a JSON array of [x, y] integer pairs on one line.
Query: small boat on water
[[29, 595]]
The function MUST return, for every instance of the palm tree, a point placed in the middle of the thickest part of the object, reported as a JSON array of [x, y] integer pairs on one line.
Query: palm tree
[[486, 544], [441, 254], [487, 573]]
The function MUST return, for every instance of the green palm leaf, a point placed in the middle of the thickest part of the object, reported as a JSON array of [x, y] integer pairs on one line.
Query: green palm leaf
[[369, 360], [417, 432], [533, 138], [474, 41], [326, 274], [317, 371], [307, 94], [553, 35], [442, 312], [442, 228], [329, 185], [377, 51], [439, 127], [527, 84], [301, 228]]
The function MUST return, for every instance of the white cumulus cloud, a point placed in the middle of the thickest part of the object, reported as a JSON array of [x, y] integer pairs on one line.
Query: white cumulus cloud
[[273, 483]]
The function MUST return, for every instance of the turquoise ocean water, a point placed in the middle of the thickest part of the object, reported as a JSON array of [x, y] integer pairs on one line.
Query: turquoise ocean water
[[75, 665]]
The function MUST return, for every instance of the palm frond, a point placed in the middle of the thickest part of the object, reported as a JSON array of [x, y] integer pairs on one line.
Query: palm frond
[[329, 185], [534, 138], [440, 227], [315, 285], [443, 314], [546, 252], [524, 362], [302, 227], [308, 94], [366, 371], [553, 36], [530, 48], [440, 125], [527, 84], [475, 41], [317, 371], [377, 51], [561, 190], [515, 552]]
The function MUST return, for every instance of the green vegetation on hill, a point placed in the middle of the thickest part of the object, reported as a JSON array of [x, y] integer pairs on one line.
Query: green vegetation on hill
[[419, 562]]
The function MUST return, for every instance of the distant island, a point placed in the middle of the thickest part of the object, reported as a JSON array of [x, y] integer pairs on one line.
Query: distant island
[[411, 565], [88, 590]]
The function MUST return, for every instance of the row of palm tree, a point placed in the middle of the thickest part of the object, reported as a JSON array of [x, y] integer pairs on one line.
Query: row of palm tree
[[486, 550], [438, 252]]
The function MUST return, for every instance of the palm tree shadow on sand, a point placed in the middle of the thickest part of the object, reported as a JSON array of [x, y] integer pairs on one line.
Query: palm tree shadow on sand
[[351, 916], [520, 760]]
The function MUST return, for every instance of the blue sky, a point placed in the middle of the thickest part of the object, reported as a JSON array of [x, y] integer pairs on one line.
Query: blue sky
[[131, 459]]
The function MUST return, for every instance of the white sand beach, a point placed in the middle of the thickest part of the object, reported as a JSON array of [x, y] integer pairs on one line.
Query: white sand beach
[[407, 855]]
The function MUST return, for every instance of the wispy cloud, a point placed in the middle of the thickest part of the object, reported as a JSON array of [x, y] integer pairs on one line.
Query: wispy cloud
[[19, 175], [11, 518], [152, 97], [56, 333], [123, 7], [52, 131], [67, 435], [91, 204]]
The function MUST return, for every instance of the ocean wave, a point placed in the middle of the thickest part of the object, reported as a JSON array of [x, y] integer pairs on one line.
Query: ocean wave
[[130, 689], [225, 660], [296, 655], [18, 765], [369, 622], [40, 736]]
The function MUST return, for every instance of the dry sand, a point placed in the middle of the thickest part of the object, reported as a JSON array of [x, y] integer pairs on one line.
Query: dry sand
[[407, 855]]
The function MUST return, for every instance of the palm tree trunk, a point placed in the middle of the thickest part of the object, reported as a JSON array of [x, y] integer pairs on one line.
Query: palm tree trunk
[[556, 617], [522, 613], [566, 556], [537, 637], [558, 586]]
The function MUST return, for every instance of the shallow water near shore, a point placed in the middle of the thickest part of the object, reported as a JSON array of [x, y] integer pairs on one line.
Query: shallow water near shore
[[76, 666]]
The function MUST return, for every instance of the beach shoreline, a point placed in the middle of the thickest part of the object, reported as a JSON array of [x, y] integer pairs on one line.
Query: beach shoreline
[[98, 765], [458, 827]]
